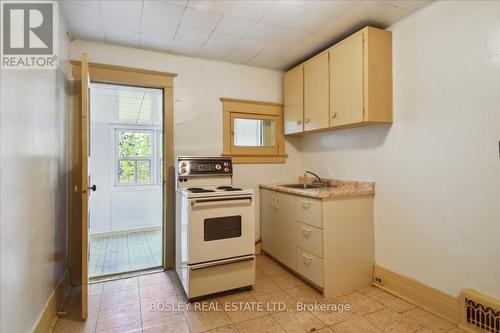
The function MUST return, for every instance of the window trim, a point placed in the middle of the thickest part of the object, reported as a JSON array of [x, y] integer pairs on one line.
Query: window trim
[[154, 182], [237, 108]]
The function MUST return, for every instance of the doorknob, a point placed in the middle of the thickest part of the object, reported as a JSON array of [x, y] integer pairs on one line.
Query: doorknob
[[93, 188]]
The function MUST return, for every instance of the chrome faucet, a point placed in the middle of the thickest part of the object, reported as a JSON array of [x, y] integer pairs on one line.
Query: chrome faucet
[[318, 180]]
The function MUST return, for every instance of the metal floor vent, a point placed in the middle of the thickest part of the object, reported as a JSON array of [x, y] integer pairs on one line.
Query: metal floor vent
[[481, 313]]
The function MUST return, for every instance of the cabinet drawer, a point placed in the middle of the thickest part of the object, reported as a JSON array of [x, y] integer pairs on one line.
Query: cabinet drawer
[[310, 266], [308, 211], [309, 238]]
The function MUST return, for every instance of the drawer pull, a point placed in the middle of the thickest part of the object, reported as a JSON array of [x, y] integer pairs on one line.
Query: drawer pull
[[306, 232], [306, 204], [307, 259]]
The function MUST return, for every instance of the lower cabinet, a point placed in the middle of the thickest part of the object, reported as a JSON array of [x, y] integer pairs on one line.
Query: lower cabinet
[[328, 242], [278, 230]]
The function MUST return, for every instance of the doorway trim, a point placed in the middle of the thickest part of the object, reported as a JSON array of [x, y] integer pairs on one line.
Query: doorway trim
[[128, 76]]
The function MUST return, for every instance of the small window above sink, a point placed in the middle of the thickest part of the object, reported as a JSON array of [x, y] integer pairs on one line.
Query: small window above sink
[[253, 131]]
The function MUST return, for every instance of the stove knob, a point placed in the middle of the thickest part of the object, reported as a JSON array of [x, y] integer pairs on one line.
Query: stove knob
[[183, 164], [226, 169], [226, 164], [218, 167], [183, 170]]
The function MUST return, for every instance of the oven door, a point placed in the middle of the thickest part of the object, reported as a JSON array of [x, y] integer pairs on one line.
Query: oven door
[[221, 228]]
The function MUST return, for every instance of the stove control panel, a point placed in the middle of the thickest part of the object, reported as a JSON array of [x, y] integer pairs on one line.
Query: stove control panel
[[204, 166]]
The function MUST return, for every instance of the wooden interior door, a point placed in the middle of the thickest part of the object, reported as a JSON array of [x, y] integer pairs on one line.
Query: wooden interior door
[[316, 92], [346, 82], [85, 183]]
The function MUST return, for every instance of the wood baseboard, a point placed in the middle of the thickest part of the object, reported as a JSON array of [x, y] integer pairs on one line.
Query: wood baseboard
[[48, 318], [417, 293]]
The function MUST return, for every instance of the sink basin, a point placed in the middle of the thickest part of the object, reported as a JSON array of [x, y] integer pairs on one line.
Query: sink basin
[[304, 186]]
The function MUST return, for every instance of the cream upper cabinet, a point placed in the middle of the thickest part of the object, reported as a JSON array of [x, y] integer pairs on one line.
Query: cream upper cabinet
[[294, 100], [346, 86], [346, 82], [361, 79], [316, 93]]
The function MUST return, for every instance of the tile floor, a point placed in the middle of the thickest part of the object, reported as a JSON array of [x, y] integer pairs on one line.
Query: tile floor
[[125, 252], [128, 305]]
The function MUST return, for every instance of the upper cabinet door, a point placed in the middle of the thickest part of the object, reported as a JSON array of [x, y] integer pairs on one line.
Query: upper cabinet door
[[346, 82], [316, 92], [294, 100]]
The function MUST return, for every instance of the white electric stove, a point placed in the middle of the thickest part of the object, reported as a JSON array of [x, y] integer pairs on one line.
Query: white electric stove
[[215, 227]]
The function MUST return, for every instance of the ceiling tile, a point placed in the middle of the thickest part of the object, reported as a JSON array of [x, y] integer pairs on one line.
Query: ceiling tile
[[159, 28], [394, 15], [192, 35], [123, 38], [252, 10], [162, 10], [219, 6], [234, 26], [115, 22], [186, 48], [215, 53], [182, 3], [239, 57], [367, 11], [251, 45], [285, 13], [267, 32], [82, 14], [124, 7], [277, 50], [323, 13], [223, 41], [87, 32], [200, 19], [268, 61], [153, 42], [409, 4], [80, 3]]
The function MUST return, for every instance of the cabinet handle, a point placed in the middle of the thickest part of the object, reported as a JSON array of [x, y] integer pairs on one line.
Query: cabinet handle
[[299, 122], [306, 204], [306, 232], [307, 120], [273, 202], [277, 200], [334, 115], [307, 259]]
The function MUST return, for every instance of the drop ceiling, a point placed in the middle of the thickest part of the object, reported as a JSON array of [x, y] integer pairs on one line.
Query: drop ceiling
[[264, 33], [114, 104]]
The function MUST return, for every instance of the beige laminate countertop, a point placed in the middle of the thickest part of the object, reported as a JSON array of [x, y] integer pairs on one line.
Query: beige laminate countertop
[[336, 189]]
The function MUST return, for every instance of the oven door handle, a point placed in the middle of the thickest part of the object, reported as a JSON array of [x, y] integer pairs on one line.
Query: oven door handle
[[221, 262], [221, 201]]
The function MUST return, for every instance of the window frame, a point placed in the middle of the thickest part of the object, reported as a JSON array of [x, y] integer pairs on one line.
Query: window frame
[[153, 159], [236, 108]]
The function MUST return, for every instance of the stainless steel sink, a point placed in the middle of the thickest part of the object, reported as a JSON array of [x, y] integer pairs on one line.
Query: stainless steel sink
[[305, 186]]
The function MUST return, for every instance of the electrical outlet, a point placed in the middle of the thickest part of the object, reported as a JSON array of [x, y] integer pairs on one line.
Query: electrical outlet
[[378, 280]]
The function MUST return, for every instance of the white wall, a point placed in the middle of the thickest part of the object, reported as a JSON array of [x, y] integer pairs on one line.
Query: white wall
[[437, 168], [198, 111], [33, 189], [118, 208]]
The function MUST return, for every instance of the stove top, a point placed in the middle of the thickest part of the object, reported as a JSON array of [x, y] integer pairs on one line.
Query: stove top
[[199, 190], [214, 191]]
